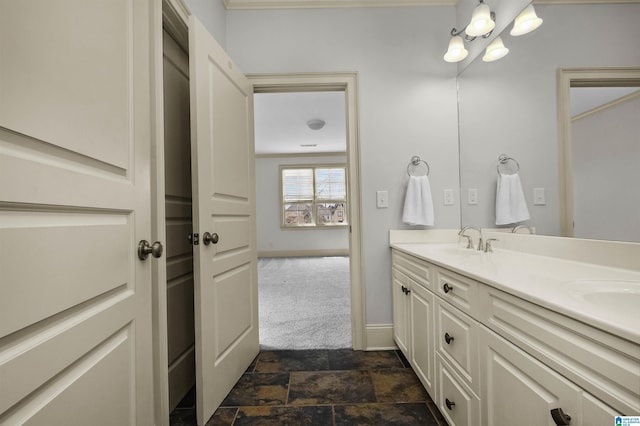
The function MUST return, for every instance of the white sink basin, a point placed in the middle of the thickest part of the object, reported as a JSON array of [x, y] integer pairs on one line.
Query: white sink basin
[[618, 295]]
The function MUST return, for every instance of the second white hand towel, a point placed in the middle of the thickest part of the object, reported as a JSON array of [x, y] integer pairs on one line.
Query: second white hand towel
[[511, 207], [418, 204]]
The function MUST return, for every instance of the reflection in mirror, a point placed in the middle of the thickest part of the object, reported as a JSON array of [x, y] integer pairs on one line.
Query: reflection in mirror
[[599, 152], [511, 106]]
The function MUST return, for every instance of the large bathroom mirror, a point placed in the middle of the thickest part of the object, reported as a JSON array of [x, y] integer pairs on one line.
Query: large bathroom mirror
[[511, 107]]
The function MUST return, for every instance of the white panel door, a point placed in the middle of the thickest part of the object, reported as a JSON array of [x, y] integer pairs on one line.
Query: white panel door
[[225, 271], [75, 309]]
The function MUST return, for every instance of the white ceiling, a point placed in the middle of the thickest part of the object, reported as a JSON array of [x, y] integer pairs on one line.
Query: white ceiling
[[281, 122]]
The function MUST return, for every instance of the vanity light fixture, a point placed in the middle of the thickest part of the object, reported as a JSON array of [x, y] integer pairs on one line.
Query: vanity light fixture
[[495, 50], [483, 21], [315, 124], [456, 51], [526, 22]]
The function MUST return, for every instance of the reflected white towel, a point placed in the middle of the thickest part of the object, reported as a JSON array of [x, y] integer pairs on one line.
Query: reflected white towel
[[511, 207], [418, 204]]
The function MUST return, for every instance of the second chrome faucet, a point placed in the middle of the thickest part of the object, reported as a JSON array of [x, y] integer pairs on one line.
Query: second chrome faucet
[[463, 231]]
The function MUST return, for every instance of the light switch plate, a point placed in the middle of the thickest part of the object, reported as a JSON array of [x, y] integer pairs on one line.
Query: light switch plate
[[538, 197], [472, 196], [448, 197], [382, 199]]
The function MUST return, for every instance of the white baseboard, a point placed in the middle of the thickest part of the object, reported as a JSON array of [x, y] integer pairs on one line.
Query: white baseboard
[[380, 337]]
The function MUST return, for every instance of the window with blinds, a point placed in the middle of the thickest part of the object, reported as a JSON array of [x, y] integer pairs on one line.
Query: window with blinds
[[313, 196]]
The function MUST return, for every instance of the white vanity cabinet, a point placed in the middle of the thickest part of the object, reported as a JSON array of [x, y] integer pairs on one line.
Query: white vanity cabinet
[[519, 390], [413, 316], [499, 360]]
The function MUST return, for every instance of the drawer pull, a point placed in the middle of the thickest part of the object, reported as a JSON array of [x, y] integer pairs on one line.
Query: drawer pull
[[447, 288], [405, 290], [448, 338], [449, 404], [560, 418]]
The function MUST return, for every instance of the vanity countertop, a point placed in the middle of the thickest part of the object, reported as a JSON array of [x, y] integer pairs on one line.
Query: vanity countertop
[[600, 296]]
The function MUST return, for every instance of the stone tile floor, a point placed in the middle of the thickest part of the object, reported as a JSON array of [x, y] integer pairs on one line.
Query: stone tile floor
[[322, 387]]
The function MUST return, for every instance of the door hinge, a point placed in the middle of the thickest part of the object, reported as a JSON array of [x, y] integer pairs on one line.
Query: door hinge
[[194, 239]]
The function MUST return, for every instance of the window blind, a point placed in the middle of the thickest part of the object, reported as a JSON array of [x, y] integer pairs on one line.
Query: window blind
[[297, 185], [330, 184]]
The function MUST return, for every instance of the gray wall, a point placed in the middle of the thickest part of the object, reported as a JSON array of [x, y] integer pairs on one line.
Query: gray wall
[[271, 237], [213, 16], [407, 96]]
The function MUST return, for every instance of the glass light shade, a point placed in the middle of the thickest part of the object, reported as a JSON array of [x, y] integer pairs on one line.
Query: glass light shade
[[481, 22], [495, 51], [526, 22], [456, 51]]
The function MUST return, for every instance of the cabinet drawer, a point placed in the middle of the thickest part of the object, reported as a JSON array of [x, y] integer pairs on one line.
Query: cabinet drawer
[[456, 341], [417, 269], [457, 290], [457, 403]]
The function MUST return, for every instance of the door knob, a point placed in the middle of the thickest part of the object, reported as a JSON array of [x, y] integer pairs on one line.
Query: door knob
[[144, 249], [208, 238]]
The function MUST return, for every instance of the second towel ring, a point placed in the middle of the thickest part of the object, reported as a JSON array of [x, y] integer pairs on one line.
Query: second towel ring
[[503, 160], [416, 161]]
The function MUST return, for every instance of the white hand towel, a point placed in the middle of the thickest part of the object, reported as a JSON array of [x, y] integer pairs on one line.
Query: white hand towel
[[418, 204], [511, 207]]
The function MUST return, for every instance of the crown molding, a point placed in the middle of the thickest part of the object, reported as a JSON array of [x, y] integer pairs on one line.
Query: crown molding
[[311, 4]]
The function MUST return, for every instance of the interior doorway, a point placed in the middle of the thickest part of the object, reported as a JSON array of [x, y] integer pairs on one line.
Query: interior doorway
[[346, 83], [302, 219]]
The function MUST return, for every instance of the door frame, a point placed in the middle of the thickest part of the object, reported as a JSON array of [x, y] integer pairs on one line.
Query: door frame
[[172, 15], [566, 79], [346, 82]]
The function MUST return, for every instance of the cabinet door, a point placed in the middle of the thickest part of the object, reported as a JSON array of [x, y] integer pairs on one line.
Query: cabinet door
[[517, 389], [422, 347], [596, 413], [400, 311]]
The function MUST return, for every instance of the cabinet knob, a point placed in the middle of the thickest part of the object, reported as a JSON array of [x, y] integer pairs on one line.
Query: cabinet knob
[[560, 417], [448, 338], [449, 404], [447, 288]]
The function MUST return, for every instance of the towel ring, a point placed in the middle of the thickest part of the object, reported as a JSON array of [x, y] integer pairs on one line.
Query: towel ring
[[416, 161], [504, 160]]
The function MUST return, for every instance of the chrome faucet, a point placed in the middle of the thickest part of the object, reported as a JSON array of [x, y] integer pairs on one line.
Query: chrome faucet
[[519, 227], [469, 240], [488, 248]]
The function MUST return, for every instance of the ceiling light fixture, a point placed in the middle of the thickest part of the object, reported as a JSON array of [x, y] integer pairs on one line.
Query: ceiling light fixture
[[315, 124], [483, 21], [526, 22]]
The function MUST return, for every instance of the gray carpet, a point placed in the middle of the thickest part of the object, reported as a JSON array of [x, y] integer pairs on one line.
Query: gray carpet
[[304, 303]]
